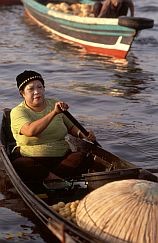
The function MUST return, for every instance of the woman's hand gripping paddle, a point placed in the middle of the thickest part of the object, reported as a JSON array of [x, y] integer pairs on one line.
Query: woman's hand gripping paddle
[[79, 126]]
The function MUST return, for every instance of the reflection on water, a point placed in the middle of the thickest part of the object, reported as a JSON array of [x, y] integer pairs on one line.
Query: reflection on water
[[12, 225], [17, 223], [126, 81]]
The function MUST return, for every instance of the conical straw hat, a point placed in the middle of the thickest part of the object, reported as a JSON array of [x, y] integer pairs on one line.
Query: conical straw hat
[[119, 211]]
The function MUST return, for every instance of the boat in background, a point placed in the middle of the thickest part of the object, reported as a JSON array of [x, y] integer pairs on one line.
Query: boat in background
[[43, 198], [103, 36], [9, 2]]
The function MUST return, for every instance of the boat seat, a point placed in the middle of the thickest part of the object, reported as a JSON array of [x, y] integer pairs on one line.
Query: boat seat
[[7, 138]]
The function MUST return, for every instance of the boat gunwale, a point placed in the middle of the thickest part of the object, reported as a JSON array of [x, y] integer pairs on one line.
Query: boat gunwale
[[65, 230], [82, 20], [41, 209], [44, 9]]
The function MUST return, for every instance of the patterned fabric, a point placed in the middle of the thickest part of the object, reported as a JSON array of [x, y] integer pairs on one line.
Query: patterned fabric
[[27, 76]]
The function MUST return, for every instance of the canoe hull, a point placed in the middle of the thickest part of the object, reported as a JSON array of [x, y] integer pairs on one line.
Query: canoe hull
[[96, 35]]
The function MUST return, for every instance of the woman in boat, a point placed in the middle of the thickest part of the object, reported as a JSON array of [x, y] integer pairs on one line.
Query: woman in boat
[[39, 127], [116, 8]]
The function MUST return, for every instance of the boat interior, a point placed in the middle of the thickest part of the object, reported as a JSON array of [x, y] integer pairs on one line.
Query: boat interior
[[107, 168], [55, 201]]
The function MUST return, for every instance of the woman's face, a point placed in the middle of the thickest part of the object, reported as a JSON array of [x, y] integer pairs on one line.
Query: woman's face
[[33, 93]]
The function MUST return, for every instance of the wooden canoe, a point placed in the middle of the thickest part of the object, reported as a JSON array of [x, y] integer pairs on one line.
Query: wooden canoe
[[103, 36], [113, 168]]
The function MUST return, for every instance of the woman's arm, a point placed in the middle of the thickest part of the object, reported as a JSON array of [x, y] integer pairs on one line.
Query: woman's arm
[[105, 7], [131, 7], [77, 133], [36, 127]]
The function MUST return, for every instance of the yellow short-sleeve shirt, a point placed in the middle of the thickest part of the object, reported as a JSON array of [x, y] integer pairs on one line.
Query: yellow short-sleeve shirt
[[51, 142]]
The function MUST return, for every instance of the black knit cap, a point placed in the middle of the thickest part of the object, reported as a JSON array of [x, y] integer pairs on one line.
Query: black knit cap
[[27, 76]]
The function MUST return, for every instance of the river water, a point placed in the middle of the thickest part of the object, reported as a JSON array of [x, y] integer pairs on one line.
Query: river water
[[115, 98]]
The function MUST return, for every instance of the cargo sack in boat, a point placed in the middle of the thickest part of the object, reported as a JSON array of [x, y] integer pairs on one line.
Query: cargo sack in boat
[[121, 211]]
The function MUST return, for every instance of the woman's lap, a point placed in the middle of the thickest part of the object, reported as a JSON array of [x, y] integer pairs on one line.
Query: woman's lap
[[38, 168]]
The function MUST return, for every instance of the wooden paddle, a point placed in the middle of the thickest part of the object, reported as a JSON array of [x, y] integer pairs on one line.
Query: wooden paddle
[[85, 132], [79, 126]]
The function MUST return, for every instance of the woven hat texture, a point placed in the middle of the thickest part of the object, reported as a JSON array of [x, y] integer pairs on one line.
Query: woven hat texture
[[121, 211]]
